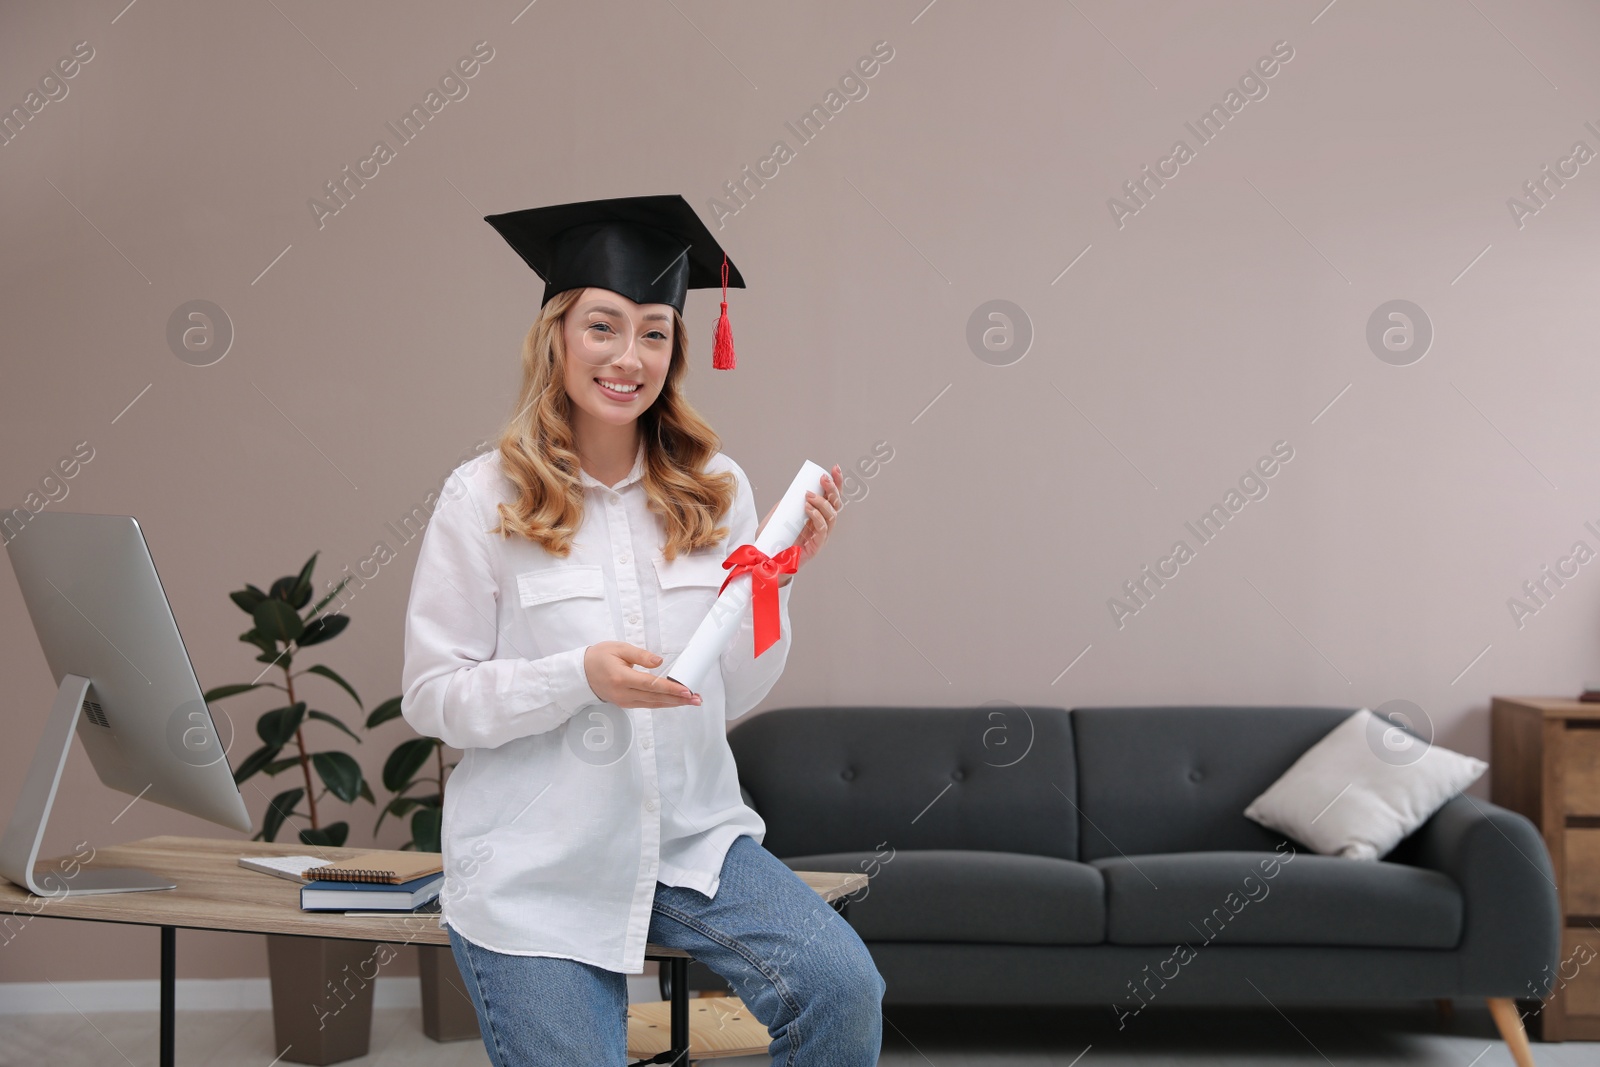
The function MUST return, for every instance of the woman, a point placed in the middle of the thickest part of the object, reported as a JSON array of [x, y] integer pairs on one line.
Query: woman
[[597, 806]]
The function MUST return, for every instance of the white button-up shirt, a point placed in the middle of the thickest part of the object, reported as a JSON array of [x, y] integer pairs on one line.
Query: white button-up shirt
[[565, 810]]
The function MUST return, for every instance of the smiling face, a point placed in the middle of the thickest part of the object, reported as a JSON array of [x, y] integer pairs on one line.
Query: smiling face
[[617, 354]]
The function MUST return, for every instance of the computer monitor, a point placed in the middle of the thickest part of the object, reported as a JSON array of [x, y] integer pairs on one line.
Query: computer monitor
[[125, 686]]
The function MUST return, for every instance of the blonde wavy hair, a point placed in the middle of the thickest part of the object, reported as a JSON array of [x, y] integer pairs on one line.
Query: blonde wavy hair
[[539, 455]]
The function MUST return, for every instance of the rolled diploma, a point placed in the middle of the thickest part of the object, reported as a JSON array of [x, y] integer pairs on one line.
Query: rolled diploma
[[717, 630]]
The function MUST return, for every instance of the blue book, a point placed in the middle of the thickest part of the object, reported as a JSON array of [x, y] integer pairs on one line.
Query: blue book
[[323, 894]]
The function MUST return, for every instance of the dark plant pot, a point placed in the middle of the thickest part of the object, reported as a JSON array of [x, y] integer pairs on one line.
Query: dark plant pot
[[322, 996], [447, 1011]]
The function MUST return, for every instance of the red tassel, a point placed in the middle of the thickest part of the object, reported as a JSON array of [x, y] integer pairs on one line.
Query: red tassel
[[722, 345]]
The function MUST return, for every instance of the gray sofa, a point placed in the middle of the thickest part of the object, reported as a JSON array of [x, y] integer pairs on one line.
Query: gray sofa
[[1040, 856]]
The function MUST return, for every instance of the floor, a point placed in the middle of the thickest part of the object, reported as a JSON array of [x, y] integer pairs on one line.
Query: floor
[[913, 1037]]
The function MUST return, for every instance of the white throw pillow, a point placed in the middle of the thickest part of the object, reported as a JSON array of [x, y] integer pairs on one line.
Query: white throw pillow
[[1341, 798]]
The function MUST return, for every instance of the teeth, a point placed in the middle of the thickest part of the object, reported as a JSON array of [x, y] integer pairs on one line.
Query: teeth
[[619, 388]]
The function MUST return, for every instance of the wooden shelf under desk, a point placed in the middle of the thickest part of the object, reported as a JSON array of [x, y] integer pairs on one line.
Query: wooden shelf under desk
[[1545, 755]]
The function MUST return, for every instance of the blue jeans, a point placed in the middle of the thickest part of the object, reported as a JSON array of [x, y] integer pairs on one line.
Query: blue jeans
[[795, 962]]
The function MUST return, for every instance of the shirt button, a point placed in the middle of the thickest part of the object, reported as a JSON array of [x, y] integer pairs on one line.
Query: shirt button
[[633, 619], [647, 742], [650, 805], [622, 559]]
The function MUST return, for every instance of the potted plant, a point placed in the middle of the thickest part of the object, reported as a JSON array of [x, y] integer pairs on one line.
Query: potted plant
[[447, 1011], [324, 1027]]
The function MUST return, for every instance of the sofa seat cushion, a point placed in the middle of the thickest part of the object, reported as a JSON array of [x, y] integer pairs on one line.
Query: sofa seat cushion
[[1005, 898], [1277, 898]]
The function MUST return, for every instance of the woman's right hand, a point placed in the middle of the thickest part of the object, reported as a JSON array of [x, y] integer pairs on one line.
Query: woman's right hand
[[609, 667]]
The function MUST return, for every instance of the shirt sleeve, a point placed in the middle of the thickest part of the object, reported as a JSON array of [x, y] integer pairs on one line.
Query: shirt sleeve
[[746, 677], [454, 685]]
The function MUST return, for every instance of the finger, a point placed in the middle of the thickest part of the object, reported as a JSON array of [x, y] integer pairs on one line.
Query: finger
[[826, 506], [649, 705], [634, 654], [657, 704], [644, 697], [664, 687], [657, 684]]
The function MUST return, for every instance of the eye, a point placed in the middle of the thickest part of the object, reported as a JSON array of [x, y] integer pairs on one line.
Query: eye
[[656, 335], [600, 326]]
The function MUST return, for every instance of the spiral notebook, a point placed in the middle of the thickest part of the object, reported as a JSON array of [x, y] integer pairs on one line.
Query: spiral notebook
[[390, 867]]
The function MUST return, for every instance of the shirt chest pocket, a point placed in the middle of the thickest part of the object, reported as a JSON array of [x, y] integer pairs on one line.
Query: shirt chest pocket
[[566, 606], [687, 588]]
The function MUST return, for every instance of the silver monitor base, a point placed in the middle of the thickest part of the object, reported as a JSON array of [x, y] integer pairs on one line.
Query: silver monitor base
[[19, 848], [101, 880]]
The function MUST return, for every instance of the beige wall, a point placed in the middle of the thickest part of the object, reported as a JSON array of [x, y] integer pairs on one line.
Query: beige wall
[[1223, 316]]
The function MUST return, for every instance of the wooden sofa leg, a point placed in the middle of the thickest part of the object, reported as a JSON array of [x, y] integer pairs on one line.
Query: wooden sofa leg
[[1506, 1017]]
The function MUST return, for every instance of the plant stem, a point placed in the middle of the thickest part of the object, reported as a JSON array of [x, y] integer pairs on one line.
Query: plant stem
[[438, 752], [305, 761]]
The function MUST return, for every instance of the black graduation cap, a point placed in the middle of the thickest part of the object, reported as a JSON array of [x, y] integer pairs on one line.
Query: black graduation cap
[[651, 249]]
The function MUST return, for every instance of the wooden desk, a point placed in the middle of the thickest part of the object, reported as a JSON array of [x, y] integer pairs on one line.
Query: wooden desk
[[215, 893]]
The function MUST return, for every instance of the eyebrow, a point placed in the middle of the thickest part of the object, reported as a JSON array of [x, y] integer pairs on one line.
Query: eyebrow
[[607, 309]]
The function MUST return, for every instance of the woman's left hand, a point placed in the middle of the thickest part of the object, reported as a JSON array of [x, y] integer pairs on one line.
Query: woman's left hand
[[823, 511]]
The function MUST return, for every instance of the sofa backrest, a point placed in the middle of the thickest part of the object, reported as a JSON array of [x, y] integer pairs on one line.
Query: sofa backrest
[[1177, 779], [997, 778]]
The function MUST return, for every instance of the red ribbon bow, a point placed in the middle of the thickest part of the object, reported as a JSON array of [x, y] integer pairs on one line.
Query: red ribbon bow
[[764, 571]]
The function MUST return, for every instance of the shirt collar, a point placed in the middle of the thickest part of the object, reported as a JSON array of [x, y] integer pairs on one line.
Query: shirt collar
[[633, 475]]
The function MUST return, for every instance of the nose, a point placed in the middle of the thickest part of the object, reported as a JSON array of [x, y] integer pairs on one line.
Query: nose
[[628, 362]]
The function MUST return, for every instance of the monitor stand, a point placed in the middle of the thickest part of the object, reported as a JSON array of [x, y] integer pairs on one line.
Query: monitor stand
[[19, 848]]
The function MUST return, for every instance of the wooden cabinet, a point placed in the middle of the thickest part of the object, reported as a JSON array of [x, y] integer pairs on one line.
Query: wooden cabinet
[[1545, 755]]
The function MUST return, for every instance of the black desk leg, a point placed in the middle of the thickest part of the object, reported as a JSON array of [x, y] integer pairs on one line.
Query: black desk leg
[[679, 971], [169, 994]]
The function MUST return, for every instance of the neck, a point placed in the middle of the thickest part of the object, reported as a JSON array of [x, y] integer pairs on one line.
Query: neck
[[605, 449]]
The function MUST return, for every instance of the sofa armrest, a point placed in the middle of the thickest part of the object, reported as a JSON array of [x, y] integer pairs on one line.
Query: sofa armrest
[[1511, 940]]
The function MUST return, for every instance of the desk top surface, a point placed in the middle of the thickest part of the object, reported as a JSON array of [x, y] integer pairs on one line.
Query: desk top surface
[[215, 893]]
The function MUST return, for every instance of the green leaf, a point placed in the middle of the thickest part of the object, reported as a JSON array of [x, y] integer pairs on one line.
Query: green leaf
[[277, 621], [276, 659], [331, 836], [300, 595], [425, 829], [389, 709], [340, 773], [230, 690], [247, 598], [327, 672], [405, 761], [277, 727], [366, 792], [254, 762], [278, 766], [280, 808], [323, 628], [325, 717], [398, 807], [319, 605], [261, 641]]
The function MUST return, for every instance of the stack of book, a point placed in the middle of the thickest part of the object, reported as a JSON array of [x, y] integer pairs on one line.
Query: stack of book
[[379, 882]]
